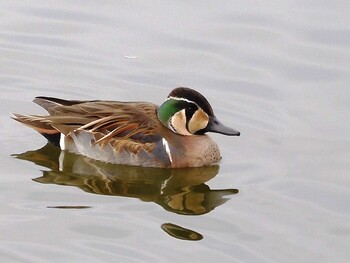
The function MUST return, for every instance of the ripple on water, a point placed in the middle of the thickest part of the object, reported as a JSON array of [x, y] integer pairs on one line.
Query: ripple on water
[[277, 71]]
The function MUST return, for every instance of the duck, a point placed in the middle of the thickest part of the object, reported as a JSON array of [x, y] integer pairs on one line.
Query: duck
[[172, 135]]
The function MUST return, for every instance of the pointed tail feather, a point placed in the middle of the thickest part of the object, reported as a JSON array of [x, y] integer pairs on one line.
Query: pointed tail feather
[[48, 102], [41, 125]]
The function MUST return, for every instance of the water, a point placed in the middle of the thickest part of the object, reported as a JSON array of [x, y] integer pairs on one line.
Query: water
[[278, 71]]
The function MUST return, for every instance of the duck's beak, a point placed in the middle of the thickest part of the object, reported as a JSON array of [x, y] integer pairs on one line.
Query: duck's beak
[[215, 125]]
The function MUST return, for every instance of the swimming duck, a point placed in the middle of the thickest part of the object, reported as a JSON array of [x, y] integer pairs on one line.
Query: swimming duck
[[171, 135]]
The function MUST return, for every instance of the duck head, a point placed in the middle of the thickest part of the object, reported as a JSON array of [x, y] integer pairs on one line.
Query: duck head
[[187, 112]]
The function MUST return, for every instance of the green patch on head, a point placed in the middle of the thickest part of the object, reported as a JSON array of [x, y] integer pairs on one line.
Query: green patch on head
[[169, 108]]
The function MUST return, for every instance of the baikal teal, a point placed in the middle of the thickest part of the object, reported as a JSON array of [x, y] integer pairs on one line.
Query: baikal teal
[[172, 135]]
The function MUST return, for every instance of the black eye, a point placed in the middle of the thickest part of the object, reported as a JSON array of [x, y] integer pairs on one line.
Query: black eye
[[190, 111]]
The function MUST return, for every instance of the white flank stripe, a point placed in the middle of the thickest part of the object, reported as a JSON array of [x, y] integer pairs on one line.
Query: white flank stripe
[[167, 149], [62, 142]]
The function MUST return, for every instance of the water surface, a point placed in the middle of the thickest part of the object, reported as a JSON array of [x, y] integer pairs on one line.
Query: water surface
[[277, 71]]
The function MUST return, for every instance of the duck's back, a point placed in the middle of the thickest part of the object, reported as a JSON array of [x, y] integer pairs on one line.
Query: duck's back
[[111, 131]]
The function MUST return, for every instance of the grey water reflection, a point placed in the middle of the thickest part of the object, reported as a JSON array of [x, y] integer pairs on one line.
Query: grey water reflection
[[180, 191]]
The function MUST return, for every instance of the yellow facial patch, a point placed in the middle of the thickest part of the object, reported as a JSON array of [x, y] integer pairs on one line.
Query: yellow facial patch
[[198, 121], [178, 121]]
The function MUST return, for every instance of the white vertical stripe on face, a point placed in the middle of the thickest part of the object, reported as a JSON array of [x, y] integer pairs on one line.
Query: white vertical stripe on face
[[167, 150]]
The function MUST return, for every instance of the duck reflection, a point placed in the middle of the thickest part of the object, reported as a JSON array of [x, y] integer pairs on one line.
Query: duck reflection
[[181, 191], [180, 232]]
